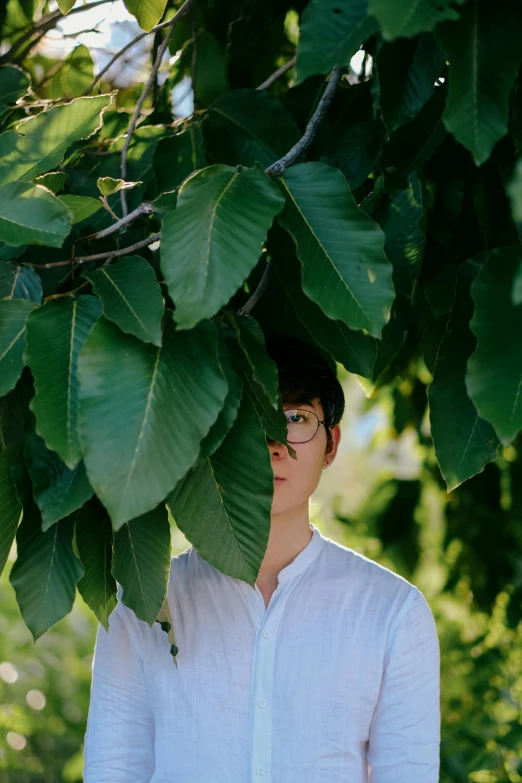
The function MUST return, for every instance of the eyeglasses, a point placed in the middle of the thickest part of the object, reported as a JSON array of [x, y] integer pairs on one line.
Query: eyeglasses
[[302, 425]]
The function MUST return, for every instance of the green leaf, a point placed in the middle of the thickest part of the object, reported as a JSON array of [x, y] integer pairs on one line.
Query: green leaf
[[413, 143], [353, 349], [484, 54], [19, 281], [144, 411], [13, 317], [271, 417], [130, 296], [141, 562], [223, 505], [40, 143], [32, 215], [209, 69], [344, 267], [94, 538], [394, 349], [65, 5], [246, 126], [515, 192], [355, 142], [176, 157], [494, 370], [77, 72], [463, 442], [404, 18], [228, 413], [213, 239], [56, 333], [46, 570], [14, 83], [403, 219], [57, 490], [10, 506], [252, 342], [331, 32], [407, 73], [80, 207], [147, 12], [108, 186], [53, 180]]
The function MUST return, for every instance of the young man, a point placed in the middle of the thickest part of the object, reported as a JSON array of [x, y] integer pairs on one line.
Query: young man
[[326, 672]]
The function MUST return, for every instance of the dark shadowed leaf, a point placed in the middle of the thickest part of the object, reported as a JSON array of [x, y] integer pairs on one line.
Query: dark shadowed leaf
[[464, 443], [223, 504], [141, 562], [484, 54], [246, 126], [94, 537], [330, 34], [13, 318], [494, 371], [350, 279], [54, 340], [130, 296]]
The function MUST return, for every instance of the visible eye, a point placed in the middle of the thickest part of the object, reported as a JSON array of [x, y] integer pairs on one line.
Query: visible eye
[[293, 417]]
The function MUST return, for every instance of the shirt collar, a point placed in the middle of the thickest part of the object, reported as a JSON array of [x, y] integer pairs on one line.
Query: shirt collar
[[299, 563], [304, 558]]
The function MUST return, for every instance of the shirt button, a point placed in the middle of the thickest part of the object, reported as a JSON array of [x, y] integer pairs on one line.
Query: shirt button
[[262, 702], [260, 771], [267, 634]]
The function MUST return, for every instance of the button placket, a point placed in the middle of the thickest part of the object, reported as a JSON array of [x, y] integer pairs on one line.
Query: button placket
[[262, 685]]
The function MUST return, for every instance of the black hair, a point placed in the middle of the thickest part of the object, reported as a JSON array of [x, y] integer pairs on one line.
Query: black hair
[[304, 375]]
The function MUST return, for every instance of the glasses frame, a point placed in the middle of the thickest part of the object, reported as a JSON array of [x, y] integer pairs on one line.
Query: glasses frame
[[319, 421]]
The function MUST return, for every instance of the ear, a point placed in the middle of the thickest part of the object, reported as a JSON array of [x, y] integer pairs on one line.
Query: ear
[[335, 432]]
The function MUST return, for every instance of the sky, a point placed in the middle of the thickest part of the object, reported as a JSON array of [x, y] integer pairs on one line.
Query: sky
[[109, 27]]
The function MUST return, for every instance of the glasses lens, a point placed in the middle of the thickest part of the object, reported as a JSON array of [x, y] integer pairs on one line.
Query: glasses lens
[[302, 425]]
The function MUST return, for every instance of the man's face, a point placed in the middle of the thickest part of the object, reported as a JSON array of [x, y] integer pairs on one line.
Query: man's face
[[301, 476]]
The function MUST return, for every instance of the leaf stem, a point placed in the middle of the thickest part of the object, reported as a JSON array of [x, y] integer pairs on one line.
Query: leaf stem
[[161, 51], [99, 256]]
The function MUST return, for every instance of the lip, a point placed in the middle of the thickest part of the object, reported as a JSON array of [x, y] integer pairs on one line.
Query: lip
[[278, 478]]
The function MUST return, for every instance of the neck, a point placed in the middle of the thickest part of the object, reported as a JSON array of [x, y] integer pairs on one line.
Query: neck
[[290, 532]]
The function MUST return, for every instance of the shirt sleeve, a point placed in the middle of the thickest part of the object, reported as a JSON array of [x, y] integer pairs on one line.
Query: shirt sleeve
[[404, 737], [119, 737]]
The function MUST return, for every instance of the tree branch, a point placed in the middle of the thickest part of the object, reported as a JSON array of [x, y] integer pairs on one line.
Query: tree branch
[[245, 309], [275, 76], [144, 209], [161, 51], [99, 256], [290, 157], [311, 129]]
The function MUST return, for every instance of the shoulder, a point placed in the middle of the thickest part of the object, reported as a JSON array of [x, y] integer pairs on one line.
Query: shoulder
[[371, 585]]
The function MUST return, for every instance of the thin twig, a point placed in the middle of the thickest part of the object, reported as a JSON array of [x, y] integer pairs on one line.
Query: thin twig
[[275, 76], [275, 168], [99, 256], [286, 161], [150, 81], [311, 128], [118, 54], [144, 209], [245, 309]]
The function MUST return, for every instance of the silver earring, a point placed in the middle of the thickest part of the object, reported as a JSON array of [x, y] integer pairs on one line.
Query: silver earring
[[325, 466]]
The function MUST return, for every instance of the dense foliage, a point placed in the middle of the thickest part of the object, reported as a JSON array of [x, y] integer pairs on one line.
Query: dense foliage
[[144, 258]]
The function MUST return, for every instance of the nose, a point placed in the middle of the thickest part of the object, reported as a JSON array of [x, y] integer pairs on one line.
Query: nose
[[276, 448]]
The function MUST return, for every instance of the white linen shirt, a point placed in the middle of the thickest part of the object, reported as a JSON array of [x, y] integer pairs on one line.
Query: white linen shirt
[[336, 680]]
